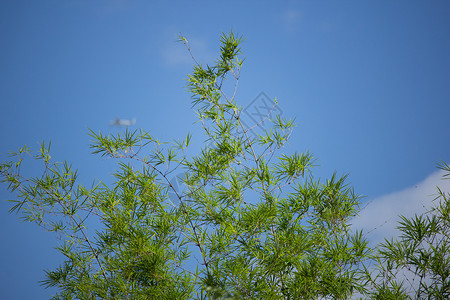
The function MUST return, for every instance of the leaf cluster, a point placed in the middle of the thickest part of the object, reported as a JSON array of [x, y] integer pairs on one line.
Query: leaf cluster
[[250, 223], [417, 264]]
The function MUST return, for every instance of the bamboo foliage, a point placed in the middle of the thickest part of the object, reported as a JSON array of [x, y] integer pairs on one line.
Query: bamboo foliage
[[252, 223]]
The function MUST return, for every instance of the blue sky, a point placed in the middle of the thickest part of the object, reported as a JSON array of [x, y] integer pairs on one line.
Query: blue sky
[[367, 81]]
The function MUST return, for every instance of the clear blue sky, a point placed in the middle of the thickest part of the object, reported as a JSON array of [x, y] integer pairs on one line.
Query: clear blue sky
[[368, 82]]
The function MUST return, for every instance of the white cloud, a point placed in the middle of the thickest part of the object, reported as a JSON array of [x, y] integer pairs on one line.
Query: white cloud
[[175, 53], [379, 218], [291, 19], [112, 7]]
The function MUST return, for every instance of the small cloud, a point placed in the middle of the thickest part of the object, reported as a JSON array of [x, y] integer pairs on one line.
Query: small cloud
[[291, 19], [113, 6], [103, 8], [176, 53], [379, 218]]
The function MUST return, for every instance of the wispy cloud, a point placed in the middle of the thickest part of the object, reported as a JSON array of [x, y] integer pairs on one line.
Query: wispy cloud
[[380, 217], [291, 19], [175, 53], [112, 7]]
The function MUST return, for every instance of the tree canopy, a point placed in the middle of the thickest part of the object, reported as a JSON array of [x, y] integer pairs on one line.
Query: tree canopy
[[251, 223]]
